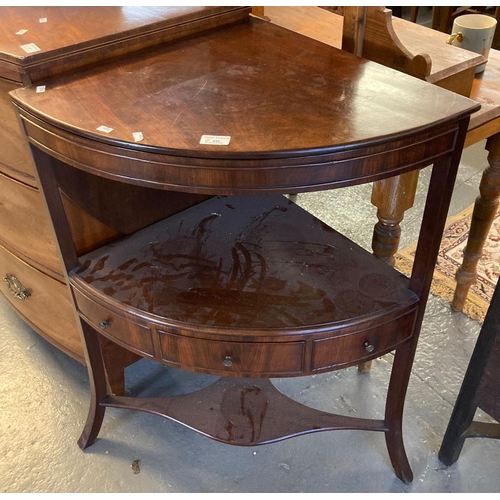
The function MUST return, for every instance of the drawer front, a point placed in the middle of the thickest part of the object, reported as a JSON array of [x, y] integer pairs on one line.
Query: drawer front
[[351, 349], [243, 358], [48, 307], [15, 158], [123, 331], [25, 227]]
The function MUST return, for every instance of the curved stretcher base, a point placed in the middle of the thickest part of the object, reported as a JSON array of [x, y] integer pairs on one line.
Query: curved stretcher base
[[247, 412]]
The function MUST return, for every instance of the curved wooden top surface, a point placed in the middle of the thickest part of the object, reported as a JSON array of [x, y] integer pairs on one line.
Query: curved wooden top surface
[[266, 88], [283, 99]]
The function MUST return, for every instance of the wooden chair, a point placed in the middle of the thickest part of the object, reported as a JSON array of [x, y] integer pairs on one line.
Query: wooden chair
[[368, 32], [480, 389]]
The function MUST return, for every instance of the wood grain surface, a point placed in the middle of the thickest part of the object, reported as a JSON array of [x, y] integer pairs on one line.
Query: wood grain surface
[[247, 286], [39, 41], [215, 264], [256, 280], [250, 82]]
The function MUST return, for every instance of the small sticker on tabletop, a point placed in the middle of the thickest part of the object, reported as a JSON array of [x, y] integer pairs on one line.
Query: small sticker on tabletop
[[137, 136], [215, 140], [40, 89], [105, 129], [43, 19], [30, 48], [21, 32]]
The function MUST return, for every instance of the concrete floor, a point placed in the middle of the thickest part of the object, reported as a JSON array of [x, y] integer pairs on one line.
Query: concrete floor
[[44, 400]]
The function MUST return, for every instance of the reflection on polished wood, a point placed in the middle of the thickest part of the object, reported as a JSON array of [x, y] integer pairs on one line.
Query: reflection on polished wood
[[452, 68]]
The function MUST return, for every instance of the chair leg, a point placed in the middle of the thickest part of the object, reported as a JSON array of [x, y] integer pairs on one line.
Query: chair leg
[[452, 444], [98, 387], [484, 213], [414, 14], [467, 401]]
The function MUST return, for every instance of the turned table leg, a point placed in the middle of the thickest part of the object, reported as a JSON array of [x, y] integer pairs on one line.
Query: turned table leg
[[392, 197], [484, 212]]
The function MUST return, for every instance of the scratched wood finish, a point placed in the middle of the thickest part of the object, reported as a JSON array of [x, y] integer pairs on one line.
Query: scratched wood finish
[[207, 97], [336, 130], [244, 412], [73, 37], [199, 278], [222, 259]]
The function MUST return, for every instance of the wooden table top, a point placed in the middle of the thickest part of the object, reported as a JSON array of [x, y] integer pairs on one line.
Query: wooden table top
[[77, 27], [42, 41], [249, 82], [486, 85], [326, 27]]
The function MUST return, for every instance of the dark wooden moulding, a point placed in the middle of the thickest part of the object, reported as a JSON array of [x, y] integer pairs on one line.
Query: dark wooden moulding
[[246, 285]]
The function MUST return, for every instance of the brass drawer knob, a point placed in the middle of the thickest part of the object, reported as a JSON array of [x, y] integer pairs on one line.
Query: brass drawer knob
[[227, 362], [104, 324], [369, 347], [16, 287]]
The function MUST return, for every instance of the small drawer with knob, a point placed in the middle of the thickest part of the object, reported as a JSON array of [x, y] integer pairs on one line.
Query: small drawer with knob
[[242, 358], [120, 329], [350, 349]]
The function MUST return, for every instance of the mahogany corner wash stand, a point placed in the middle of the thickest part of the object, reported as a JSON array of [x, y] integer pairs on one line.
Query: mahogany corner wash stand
[[245, 284]]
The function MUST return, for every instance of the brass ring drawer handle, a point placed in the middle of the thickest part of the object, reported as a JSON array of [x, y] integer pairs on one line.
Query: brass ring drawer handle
[[369, 347], [227, 362], [16, 287]]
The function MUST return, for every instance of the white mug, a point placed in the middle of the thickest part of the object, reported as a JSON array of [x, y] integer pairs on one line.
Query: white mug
[[473, 32]]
